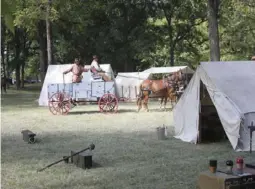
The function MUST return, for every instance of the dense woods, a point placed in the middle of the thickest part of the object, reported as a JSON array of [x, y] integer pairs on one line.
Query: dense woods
[[131, 35]]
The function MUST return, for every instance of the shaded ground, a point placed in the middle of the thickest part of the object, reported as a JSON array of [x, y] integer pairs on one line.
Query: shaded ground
[[126, 148]]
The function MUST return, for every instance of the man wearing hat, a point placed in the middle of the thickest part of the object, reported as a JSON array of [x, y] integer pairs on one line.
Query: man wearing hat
[[77, 69], [96, 69]]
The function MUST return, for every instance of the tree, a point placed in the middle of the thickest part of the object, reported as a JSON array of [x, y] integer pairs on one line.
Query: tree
[[49, 33], [182, 17], [213, 14]]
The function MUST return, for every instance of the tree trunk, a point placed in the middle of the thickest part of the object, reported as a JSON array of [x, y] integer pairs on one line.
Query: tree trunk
[[23, 74], [24, 49], [17, 72], [2, 50], [213, 6], [172, 55], [7, 65], [42, 45], [24, 55], [49, 36], [17, 57]]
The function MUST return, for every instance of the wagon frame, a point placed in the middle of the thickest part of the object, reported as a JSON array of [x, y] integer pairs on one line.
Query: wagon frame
[[62, 97]]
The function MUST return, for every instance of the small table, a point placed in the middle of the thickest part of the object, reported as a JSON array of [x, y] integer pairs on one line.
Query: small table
[[219, 180]]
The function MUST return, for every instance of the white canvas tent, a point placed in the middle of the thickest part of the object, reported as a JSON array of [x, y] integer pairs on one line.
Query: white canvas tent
[[55, 75], [127, 84], [155, 70], [231, 86]]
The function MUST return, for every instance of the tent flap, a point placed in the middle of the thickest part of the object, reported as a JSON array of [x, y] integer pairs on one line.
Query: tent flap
[[186, 112], [228, 113]]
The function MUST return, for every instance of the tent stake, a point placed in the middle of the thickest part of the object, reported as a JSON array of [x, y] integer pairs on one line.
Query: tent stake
[[252, 128]]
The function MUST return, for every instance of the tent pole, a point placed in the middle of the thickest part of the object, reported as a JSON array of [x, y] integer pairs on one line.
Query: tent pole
[[199, 118], [252, 128]]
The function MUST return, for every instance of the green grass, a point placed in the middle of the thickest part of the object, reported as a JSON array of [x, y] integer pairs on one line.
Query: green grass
[[129, 154]]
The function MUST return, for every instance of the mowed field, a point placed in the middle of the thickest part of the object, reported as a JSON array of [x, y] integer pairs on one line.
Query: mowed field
[[128, 154]]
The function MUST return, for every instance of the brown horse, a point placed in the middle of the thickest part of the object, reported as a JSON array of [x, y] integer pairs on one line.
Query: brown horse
[[164, 89], [177, 81]]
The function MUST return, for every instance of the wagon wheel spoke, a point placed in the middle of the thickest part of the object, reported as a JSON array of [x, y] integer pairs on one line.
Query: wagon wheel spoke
[[60, 109], [104, 100], [52, 107], [111, 106], [103, 107], [111, 99], [66, 107], [59, 103], [108, 103], [53, 104]]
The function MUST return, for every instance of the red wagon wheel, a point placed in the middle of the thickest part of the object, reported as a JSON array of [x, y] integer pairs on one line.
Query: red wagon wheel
[[59, 103], [108, 103]]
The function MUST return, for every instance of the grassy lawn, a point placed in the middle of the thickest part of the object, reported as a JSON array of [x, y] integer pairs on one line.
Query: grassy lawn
[[127, 151]]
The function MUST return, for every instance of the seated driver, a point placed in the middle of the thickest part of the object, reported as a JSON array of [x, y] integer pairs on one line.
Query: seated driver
[[77, 69], [96, 69]]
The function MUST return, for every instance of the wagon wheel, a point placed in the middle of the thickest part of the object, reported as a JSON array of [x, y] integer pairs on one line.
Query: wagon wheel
[[108, 103], [59, 103]]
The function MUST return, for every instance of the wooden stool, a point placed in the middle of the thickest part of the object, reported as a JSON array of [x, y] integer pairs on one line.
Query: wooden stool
[[85, 160]]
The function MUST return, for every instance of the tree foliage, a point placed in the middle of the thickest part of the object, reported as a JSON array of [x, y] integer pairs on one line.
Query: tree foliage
[[130, 35]]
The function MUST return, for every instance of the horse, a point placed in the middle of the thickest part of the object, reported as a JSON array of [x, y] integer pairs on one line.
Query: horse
[[178, 85], [164, 89], [172, 97]]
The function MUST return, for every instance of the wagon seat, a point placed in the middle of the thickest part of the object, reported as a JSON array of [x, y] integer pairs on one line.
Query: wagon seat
[[95, 75]]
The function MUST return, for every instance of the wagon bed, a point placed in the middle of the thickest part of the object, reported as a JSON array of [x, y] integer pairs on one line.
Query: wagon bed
[[63, 96]]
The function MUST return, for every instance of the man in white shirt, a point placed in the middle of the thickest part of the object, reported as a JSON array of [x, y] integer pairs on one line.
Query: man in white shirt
[[95, 68], [95, 65]]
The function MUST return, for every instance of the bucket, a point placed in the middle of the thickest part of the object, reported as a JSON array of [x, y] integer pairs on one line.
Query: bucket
[[161, 133]]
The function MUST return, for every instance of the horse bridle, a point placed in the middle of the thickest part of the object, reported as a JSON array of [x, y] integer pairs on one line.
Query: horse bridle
[[174, 83]]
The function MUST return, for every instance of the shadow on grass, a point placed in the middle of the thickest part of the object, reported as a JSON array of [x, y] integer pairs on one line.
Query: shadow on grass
[[74, 112], [80, 112], [19, 99], [35, 87]]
